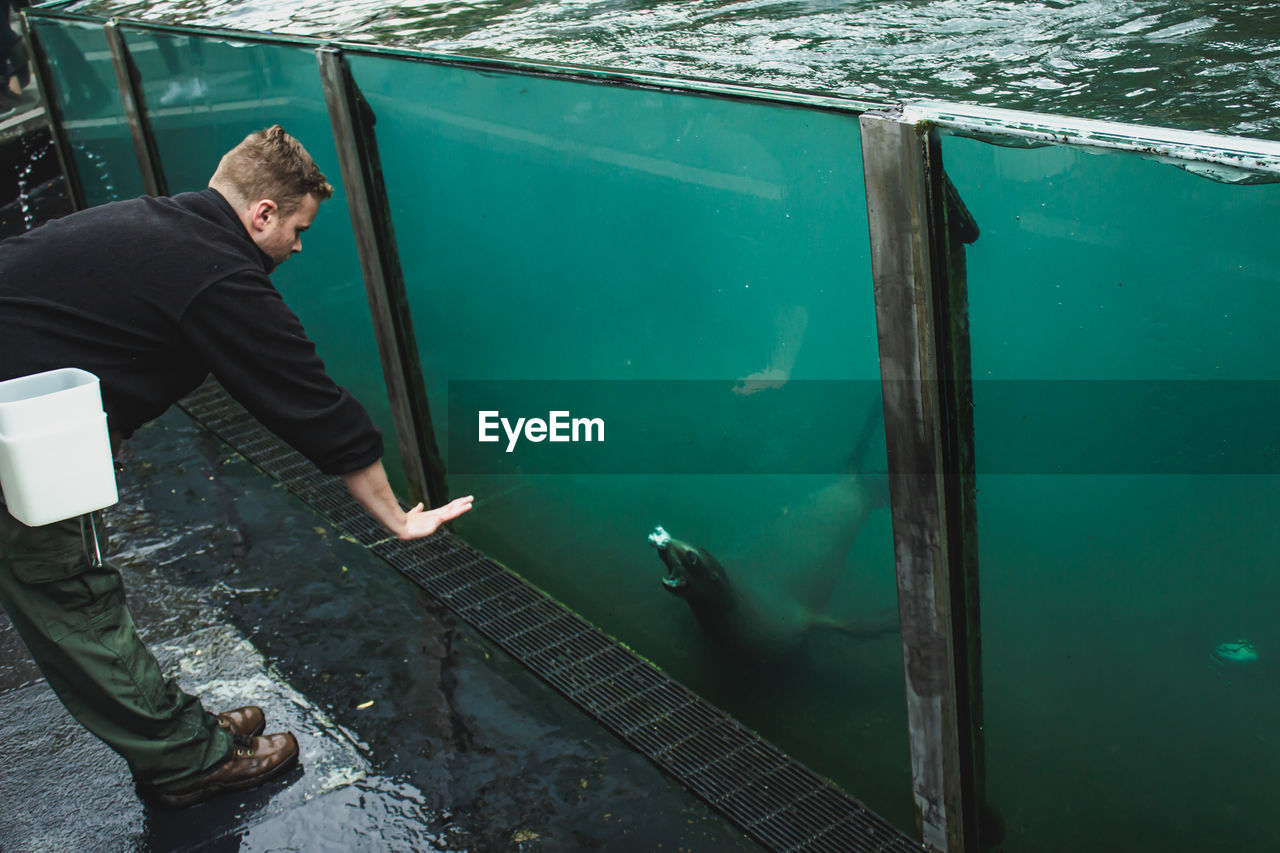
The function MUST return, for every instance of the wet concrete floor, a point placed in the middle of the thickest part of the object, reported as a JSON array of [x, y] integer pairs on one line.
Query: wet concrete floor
[[416, 734]]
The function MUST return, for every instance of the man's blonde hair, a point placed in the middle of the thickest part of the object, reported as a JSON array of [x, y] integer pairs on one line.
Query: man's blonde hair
[[270, 164]]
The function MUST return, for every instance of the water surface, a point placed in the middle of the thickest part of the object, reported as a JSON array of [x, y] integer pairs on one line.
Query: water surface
[[1209, 65]]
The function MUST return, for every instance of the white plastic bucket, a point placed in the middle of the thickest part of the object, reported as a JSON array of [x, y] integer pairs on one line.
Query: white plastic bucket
[[55, 452]]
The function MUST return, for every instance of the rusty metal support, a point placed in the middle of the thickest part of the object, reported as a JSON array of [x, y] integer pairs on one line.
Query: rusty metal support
[[353, 134], [917, 229]]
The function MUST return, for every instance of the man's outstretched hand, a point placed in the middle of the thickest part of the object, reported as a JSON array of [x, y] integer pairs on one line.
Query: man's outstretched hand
[[420, 522], [369, 486]]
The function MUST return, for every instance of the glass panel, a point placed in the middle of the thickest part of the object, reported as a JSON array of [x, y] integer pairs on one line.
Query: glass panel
[[204, 95], [85, 85], [557, 230], [1122, 319]]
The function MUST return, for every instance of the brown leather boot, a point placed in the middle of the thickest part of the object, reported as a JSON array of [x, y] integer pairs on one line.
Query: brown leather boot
[[252, 762], [249, 721]]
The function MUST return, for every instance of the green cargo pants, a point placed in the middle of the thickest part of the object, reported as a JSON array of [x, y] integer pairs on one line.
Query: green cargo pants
[[73, 617]]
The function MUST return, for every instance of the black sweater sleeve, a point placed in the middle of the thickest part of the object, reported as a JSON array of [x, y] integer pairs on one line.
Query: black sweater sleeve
[[256, 347]]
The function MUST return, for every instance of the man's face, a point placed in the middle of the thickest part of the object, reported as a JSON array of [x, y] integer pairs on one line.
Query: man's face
[[281, 236]]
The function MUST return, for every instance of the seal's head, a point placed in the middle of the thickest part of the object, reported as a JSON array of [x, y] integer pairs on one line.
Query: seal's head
[[692, 572]]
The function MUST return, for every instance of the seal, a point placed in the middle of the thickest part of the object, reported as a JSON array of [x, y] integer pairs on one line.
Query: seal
[[756, 620], [775, 596]]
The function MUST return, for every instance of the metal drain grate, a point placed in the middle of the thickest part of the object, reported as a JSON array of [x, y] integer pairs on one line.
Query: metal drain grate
[[774, 799]]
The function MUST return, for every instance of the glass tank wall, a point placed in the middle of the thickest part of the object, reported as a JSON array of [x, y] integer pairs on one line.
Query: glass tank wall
[[85, 90], [673, 259], [1124, 354], [206, 94], [675, 250]]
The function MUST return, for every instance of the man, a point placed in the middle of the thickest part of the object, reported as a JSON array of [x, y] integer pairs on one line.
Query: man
[[152, 295]]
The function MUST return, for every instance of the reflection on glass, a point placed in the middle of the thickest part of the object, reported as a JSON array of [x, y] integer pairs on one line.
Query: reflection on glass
[[1123, 710], [555, 230], [203, 96]]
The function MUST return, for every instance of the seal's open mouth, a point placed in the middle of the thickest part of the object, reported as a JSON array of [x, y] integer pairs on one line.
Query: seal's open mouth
[[672, 581]]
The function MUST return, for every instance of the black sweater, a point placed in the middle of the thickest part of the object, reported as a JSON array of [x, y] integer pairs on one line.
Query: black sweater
[[153, 294]]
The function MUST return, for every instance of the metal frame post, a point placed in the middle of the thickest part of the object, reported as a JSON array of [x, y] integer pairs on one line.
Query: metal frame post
[[135, 111], [917, 227], [353, 134], [953, 227], [53, 112]]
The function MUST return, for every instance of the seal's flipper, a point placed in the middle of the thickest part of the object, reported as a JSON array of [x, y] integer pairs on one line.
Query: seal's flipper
[[874, 482], [859, 459], [877, 486], [869, 630]]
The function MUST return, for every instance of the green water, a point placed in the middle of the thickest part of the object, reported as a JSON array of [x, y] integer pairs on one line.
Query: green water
[[1103, 594], [555, 229]]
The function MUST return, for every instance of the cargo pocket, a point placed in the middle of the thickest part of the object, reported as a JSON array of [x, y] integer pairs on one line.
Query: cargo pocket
[[64, 593], [62, 555]]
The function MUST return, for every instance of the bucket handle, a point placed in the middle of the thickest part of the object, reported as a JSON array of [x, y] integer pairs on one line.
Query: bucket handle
[[94, 558]]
